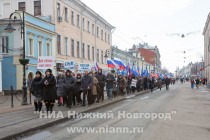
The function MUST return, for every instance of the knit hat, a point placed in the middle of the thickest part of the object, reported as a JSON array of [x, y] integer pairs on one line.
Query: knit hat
[[49, 70], [38, 72]]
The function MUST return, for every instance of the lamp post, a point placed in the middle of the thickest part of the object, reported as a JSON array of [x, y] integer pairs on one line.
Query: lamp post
[[22, 61]]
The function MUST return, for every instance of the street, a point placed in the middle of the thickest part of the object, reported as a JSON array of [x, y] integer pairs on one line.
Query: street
[[191, 120]]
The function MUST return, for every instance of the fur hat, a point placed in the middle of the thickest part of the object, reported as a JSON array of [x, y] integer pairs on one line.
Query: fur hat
[[49, 70]]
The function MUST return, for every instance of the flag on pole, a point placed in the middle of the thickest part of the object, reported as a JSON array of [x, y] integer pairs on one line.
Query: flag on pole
[[120, 63], [112, 64], [96, 66]]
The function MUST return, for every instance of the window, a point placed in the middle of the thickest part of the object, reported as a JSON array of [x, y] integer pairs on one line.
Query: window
[[72, 17], [97, 55], [102, 34], [109, 39], [78, 49], [66, 45], [22, 6], [4, 44], [66, 14], [83, 51], [31, 47], [37, 8], [78, 20], [58, 9], [83, 23], [40, 48], [72, 48], [48, 50], [97, 30], [59, 44], [102, 57], [88, 52], [93, 29], [93, 53], [88, 26], [105, 37]]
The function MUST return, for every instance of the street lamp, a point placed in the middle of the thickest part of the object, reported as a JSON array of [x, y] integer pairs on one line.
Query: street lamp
[[22, 61]]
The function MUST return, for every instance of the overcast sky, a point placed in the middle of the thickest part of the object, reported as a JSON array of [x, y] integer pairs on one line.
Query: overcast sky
[[151, 20]]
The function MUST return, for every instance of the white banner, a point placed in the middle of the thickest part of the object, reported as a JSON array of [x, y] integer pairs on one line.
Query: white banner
[[69, 65], [84, 67], [133, 82], [45, 62]]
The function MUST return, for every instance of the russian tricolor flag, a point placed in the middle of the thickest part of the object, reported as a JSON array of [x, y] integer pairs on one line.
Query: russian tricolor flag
[[96, 66], [112, 64], [120, 63]]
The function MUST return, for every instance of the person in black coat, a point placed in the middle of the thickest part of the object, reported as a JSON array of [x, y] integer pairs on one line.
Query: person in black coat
[[69, 81], [36, 90], [49, 90], [152, 84], [167, 81], [101, 82], [87, 83], [78, 88]]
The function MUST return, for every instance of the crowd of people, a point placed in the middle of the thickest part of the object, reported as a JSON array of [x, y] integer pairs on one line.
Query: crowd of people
[[67, 88], [198, 81]]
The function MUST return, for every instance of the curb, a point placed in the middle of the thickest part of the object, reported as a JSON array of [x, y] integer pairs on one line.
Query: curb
[[43, 126]]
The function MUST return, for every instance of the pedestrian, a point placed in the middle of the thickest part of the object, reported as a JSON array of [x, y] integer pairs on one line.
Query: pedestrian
[[114, 89], [95, 86], [151, 84], [192, 83], [101, 81], [61, 94], [36, 90], [133, 87], [145, 83], [78, 88], [87, 82], [109, 85], [49, 90], [167, 81], [121, 84], [160, 83], [197, 81], [206, 81], [69, 81]]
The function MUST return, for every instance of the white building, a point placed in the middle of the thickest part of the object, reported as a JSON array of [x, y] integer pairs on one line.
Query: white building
[[206, 34]]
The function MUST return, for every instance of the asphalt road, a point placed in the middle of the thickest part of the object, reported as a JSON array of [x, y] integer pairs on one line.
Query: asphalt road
[[189, 111]]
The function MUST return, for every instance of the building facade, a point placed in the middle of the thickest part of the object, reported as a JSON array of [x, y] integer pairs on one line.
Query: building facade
[[206, 34], [0, 73], [40, 38], [82, 35]]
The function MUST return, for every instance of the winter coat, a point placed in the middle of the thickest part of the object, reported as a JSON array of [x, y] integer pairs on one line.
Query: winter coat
[[69, 83], [167, 81], [36, 88], [78, 85], [87, 81], [95, 82], [49, 88], [60, 87], [109, 81], [160, 84], [114, 88], [151, 83], [101, 79]]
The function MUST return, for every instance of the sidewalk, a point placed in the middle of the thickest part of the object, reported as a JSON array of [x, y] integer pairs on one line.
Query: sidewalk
[[21, 119]]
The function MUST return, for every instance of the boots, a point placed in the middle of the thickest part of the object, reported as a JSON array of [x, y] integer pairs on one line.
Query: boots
[[51, 107], [39, 106], [47, 106], [36, 107]]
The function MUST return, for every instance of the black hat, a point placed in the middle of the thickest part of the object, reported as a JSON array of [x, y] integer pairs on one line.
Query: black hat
[[48, 70], [38, 72]]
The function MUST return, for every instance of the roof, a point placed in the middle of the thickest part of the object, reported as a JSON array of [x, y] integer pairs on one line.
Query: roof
[[149, 55]]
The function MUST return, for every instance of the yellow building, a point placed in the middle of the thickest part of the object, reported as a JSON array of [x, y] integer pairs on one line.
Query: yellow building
[[82, 35]]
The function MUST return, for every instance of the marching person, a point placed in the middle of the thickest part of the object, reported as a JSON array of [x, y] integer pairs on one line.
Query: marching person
[[101, 81], [160, 83], [121, 84], [109, 85], [49, 90], [167, 81], [69, 81], [95, 85], [197, 82], [192, 83], [61, 94], [78, 88], [87, 82], [151, 84], [36, 90]]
